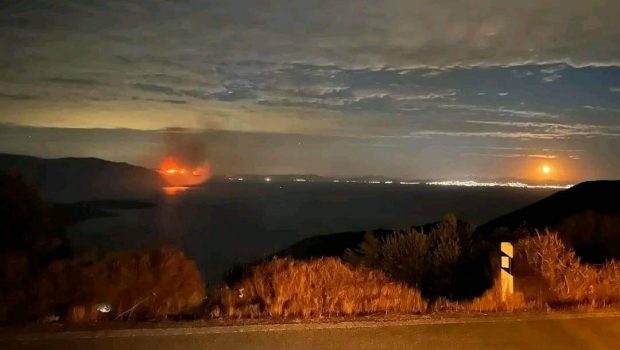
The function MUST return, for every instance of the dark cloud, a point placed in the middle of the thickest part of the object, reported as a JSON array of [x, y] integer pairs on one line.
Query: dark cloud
[[156, 88], [170, 101], [18, 97], [384, 79], [73, 81]]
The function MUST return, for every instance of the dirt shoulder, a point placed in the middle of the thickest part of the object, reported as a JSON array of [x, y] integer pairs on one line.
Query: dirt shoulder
[[127, 329]]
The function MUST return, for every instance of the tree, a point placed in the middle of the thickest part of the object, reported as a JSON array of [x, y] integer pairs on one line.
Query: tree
[[26, 222]]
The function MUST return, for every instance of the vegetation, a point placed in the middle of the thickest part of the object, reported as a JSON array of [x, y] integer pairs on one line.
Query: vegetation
[[134, 285], [431, 262], [315, 288], [30, 238], [27, 224], [554, 274], [442, 270], [149, 284]]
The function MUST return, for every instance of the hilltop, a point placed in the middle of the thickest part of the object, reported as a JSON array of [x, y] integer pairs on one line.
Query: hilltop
[[76, 179], [586, 215]]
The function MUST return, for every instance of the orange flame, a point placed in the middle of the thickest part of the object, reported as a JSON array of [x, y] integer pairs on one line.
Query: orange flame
[[178, 175]]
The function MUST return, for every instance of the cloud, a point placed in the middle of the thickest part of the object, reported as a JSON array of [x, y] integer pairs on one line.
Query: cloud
[[556, 130], [171, 101], [551, 78], [544, 156], [18, 97], [529, 149], [510, 155], [490, 134], [499, 110], [553, 69], [348, 33], [74, 81], [424, 97], [156, 88], [523, 130]]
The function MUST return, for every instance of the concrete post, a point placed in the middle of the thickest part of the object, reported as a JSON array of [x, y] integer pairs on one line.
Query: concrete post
[[506, 278]]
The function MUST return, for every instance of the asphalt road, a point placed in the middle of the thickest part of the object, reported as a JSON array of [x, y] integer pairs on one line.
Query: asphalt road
[[554, 331]]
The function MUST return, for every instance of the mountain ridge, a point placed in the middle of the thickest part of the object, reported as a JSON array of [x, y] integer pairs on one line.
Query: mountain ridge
[[71, 179]]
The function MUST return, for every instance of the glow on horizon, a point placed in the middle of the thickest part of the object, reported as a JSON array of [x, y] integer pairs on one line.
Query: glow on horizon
[[454, 183], [494, 184]]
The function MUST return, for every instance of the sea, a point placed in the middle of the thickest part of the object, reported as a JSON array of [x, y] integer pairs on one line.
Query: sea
[[220, 224]]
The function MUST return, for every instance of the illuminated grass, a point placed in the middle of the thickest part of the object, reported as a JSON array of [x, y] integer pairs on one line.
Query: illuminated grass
[[148, 284], [324, 287], [555, 274]]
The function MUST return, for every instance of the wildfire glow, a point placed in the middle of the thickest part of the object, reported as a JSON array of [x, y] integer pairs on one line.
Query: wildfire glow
[[174, 190], [179, 175]]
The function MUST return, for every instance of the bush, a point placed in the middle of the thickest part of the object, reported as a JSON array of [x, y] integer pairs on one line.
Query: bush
[[30, 238], [315, 288], [404, 257], [558, 276], [27, 223], [149, 284], [428, 262]]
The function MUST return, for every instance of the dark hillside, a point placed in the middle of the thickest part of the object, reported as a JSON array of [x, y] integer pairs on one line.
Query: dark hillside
[[75, 179]]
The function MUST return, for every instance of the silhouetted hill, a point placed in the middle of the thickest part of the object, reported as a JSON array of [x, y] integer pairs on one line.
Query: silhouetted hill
[[74, 179], [587, 217], [335, 244]]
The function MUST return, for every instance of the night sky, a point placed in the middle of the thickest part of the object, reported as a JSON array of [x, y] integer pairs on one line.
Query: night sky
[[411, 89]]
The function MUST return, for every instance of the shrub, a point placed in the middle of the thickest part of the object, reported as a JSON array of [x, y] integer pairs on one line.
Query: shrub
[[441, 261], [315, 288], [428, 262], [26, 222], [145, 284], [561, 276], [30, 237], [404, 257]]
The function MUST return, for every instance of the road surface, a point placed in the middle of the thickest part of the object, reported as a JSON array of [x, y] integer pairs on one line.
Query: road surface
[[550, 331]]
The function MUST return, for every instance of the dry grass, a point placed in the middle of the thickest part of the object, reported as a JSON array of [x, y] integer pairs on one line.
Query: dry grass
[[490, 301], [149, 284], [324, 287], [559, 275]]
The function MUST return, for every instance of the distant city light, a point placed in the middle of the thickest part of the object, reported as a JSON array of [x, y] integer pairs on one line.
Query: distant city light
[[455, 183], [493, 184]]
